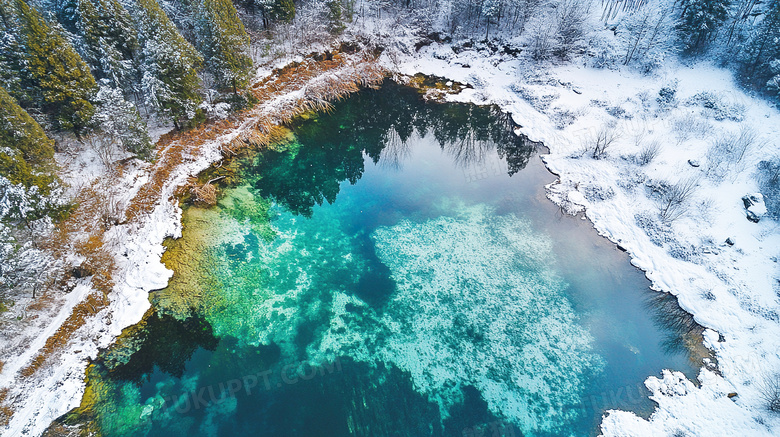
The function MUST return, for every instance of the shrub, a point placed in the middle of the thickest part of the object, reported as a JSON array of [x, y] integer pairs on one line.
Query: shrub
[[769, 185], [691, 125], [604, 138], [770, 392], [667, 96], [716, 107], [648, 152], [675, 199], [728, 151]]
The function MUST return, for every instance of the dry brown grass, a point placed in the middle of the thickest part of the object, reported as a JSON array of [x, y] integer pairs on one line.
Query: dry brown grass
[[5, 411], [85, 309]]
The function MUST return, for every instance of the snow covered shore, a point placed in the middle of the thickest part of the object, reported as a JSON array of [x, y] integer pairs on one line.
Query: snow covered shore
[[137, 249], [732, 290]]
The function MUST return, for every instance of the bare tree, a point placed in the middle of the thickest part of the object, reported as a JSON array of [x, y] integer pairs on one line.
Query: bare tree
[[648, 152], [675, 200], [604, 138], [769, 388], [569, 27], [105, 147], [644, 33]]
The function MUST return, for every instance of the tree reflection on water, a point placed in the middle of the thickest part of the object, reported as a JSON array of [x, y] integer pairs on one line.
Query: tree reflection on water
[[330, 148]]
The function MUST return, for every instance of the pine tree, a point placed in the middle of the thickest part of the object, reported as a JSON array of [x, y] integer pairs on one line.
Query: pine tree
[[118, 120], [335, 16], [26, 153], [763, 52], [224, 43], [275, 10], [169, 62], [10, 54], [110, 38], [52, 75], [773, 84], [700, 20]]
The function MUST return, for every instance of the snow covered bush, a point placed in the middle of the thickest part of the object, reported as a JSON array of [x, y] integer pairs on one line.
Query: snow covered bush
[[715, 106], [729, 151], [601, 141], [770, 392], [674, 200], [667, 96], [648, 152], [689, 126]]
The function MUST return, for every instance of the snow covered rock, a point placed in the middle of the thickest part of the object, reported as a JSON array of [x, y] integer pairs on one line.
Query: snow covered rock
[[754, 206]]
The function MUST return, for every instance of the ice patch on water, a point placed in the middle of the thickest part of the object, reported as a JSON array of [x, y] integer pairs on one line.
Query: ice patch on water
[[478, 303]]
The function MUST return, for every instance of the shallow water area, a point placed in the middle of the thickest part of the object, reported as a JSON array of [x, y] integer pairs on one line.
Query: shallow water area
[[394, 268]]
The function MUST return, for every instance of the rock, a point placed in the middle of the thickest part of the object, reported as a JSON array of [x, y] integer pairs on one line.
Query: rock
[[732, 395], [730, 241], [694, 163], [81, 272], [755, 206]]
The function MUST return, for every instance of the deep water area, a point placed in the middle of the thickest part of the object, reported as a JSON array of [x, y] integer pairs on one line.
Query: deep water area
[[389, 268]]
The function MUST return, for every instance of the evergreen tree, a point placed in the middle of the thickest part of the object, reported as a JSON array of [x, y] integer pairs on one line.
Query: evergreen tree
[[773, 84], [275, 10], [224, 43], [119, 121], [51, 74], [10, 54], [764, 49], [335, 16], [26, 153], [700, 20], [110, 39], [169, 62]]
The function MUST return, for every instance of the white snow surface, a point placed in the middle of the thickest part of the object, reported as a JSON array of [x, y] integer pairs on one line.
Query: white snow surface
[[731, 291]]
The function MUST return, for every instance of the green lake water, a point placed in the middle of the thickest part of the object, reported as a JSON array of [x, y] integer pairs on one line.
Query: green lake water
[[392, 268]]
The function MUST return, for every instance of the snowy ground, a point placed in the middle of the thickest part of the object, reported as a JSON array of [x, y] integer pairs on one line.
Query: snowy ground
[[731, 290]]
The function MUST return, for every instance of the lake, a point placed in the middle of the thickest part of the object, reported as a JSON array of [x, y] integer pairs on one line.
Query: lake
[[389, 268]]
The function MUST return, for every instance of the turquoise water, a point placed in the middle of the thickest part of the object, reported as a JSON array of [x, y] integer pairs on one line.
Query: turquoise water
[[393, 270]]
